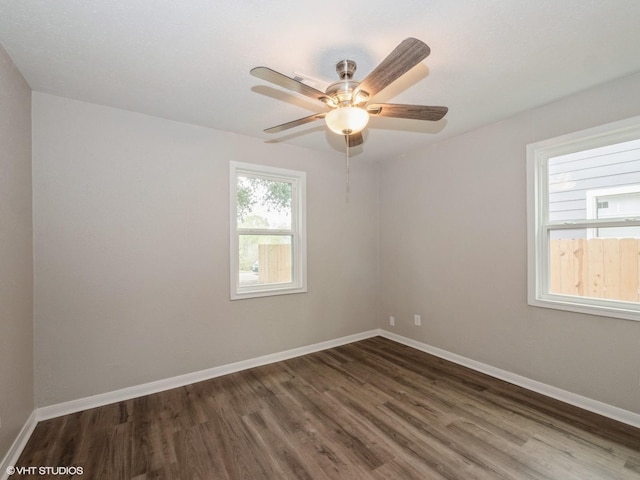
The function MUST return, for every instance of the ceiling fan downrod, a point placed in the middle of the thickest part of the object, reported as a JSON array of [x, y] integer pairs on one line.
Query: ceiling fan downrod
[[345, 69]]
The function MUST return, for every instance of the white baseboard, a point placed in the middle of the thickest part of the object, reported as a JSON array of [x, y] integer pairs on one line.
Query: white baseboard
[[73, 406], [100, 400], [615, 413], [18, 445]]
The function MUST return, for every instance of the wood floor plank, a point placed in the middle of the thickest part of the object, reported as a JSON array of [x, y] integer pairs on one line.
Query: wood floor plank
[[333, 461], [334, 422], [633, 464], [494, 450], [424, 449], [406, 468], [291, 461], [372, 409], [237, 447], [587, 458], [550, 410]]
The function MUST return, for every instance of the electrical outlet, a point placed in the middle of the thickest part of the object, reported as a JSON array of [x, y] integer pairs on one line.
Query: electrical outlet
[[417, 320], [392, 321]]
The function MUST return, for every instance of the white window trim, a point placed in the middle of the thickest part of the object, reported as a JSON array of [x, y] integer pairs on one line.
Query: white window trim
[[538, 228], [299, 240]]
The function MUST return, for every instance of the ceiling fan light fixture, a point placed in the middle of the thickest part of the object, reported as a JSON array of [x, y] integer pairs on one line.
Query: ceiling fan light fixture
[[347, 120]]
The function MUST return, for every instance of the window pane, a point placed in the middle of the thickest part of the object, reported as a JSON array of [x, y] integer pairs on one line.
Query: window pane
[[595, 263], [581, 184], [265, 259], [263, 203]]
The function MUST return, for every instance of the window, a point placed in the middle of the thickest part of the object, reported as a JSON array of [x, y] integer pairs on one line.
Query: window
[[584, 221], [268, 244]]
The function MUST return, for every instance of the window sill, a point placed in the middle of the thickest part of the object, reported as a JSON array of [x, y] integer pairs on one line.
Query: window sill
[[567, 304], [270, 292]]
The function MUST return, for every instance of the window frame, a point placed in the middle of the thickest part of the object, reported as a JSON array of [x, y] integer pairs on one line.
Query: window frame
[[539, 225], [297, 231]]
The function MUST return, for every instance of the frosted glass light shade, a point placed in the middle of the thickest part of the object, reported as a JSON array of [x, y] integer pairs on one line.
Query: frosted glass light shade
[[347, 120]]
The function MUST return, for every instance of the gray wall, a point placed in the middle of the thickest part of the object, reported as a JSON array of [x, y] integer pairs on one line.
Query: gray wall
[[453, 248], [16, 254], [132, 251], [131, 229]]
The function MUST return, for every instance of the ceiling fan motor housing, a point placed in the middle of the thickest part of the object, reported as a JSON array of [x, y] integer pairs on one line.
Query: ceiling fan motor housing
[[343, 90]]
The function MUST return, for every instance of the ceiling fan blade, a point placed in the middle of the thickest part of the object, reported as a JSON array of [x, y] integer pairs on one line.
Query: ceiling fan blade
[[295, 123], [403, 58], [265, 73], [416, 112], [355, 139]]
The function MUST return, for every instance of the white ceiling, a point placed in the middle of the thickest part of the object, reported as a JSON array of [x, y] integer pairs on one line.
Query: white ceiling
[[189, 60]]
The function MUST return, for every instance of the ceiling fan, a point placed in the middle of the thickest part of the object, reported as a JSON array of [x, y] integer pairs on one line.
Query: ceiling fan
[[348, 100]]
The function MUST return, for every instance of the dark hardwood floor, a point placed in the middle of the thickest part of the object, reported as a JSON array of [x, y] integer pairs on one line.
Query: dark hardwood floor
[[372, 409]]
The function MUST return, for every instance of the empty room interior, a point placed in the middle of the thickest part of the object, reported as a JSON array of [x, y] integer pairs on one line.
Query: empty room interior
[[359, 239]]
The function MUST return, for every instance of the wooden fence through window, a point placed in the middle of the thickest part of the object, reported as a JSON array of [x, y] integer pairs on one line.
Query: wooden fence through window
[[596, 267], [274, 263]]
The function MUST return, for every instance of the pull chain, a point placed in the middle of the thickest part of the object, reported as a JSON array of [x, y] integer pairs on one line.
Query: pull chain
[[346, 139]]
